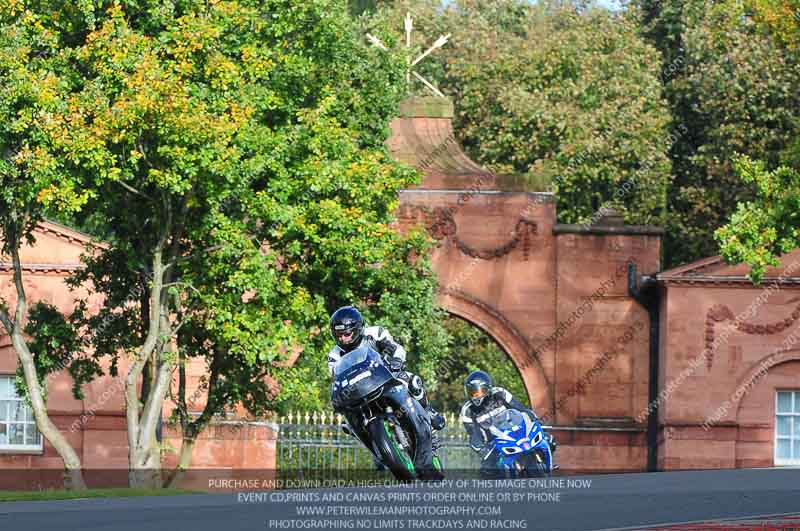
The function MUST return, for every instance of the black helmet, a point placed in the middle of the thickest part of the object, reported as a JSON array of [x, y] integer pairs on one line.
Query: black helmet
[[477, 386], [347, 327]]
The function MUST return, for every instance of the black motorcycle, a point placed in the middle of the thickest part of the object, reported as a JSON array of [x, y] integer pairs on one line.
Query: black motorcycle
[[384, 416]]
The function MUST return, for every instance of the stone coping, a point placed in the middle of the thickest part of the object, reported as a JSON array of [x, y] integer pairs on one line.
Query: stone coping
[[540, 197], [594, 428], [627, 230], [711, 281], [426, 107], [32, 267]]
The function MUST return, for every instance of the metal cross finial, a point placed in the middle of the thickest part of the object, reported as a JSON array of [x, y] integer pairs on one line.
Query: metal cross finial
[[438, 43]]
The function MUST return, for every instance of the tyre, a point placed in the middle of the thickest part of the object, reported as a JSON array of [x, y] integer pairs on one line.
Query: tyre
[[535, 466], [393, 455]]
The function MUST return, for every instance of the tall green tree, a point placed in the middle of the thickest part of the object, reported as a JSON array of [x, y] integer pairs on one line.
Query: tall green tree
[[762, 230], [242, 188], [566, 99], [731, 80], [31, 83]]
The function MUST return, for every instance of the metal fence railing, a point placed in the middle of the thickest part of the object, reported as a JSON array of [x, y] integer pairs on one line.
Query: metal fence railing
[[311, 446]]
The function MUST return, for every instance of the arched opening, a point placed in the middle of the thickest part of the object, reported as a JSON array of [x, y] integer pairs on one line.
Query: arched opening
[[509, 338], [473, 349]]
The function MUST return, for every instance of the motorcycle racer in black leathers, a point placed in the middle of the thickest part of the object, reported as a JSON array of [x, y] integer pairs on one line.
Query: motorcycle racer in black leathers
[[485, 401], [349, 333]]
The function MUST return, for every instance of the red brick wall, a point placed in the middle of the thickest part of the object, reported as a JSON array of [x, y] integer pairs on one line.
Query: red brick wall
[[227, 451], [601, 451], [706, 426], [596, 264]]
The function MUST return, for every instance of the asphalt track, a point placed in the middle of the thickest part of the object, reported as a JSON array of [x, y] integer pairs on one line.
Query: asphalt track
[[666, 500]]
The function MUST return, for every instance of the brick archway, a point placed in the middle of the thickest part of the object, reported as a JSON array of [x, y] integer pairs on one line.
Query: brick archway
[[508, 337]]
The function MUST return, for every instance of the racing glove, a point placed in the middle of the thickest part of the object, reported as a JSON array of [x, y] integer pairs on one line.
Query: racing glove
[[486, 450], [396, 364]]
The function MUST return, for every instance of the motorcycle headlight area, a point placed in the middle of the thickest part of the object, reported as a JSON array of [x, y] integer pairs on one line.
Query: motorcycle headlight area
[[536, 439], [509, 450]]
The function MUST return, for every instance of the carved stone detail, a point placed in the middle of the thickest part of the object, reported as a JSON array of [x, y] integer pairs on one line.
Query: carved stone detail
[[442, 226], [719, 313]]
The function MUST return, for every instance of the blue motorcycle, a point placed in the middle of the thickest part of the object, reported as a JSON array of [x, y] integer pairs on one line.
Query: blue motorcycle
[[520, 443]]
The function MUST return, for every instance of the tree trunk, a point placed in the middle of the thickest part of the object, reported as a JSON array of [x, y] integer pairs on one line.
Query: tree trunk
[[145, 450], [148, 449], [143, 464], [191, 429], [184, 460], [72, 463]]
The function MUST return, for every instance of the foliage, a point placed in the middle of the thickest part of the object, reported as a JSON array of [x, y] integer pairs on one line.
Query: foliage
[[33, 80], [56, 346], [779, 19], [470, 350], [762, 230], [555, 94], [32, 83], [407, 313], [733, 87]]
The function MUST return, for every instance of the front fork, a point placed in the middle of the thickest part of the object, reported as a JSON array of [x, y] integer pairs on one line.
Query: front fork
[[414, 419]]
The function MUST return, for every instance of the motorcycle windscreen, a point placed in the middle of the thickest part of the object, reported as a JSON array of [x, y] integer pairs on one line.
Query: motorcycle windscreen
[[356, 375], [509, 425]]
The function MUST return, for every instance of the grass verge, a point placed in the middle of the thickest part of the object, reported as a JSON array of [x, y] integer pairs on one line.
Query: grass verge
[[51, 495]]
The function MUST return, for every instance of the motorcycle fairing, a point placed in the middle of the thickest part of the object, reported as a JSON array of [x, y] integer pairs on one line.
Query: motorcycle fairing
[[356, 376]]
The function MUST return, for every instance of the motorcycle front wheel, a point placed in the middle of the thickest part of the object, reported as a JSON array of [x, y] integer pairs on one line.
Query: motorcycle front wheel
[[534, 466], [393, 455]]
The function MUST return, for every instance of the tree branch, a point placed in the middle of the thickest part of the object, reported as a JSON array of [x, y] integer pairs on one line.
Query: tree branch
[[6, 320], [143, 151], [134, 190], [45, 425], [180, 283], [212, 403], [22, 300], [180, 403]]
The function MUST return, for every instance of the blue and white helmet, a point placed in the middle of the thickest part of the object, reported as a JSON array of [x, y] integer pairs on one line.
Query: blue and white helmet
[[477, 386]]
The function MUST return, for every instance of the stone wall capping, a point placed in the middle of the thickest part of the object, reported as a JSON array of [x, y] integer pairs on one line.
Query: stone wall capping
[[606, 422], [42, 268], [541, 197], [707, 281], [264, 423], [595, 428], [623, 230]]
